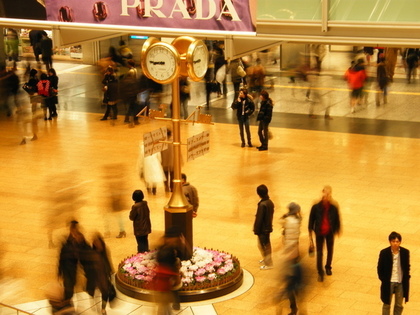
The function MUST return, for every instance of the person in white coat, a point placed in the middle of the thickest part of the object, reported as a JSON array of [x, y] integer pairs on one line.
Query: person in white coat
[[150, 170], [291, 230]]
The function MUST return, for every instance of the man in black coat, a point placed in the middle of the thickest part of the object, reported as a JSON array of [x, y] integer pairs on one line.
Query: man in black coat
[[263, 226], [394, 273]]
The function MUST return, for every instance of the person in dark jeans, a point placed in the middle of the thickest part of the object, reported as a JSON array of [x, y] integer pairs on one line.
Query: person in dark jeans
[[244, 107], [324, 221], [263, 226], [140, 215], [264, 117]]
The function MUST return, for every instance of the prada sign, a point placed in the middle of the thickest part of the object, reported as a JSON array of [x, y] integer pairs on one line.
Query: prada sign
[[215, 15]]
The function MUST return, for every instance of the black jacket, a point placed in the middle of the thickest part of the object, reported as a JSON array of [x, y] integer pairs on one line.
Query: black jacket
[[264, 218], [266, 111], [315, 218], [385, 272], [246, 106]]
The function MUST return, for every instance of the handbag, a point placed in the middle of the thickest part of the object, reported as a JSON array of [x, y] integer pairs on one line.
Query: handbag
[[28, 88], [240, 71], [311, 249]]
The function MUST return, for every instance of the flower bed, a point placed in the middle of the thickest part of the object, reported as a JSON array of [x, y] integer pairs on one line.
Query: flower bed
[[207, 268]]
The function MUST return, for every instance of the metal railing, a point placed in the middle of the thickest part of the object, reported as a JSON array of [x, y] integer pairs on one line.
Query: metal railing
[[11, 310]]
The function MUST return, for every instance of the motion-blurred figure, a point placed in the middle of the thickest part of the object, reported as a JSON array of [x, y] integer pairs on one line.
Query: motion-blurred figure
[[382, 81], [168, 162], [256, 77], [150, 170], [111, 94], [46, 45], [73, 251], [291, 230], [173, 250], [115, 189], [102, 271], [140, 215], [324, 221], [35, 37], [356, 77], [12, 45]]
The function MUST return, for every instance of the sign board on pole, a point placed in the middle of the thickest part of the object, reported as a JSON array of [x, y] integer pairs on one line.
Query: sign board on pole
[[153, 141], [198, 145]]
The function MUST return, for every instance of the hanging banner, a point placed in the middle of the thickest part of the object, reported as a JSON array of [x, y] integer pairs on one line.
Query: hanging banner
[[215, 15]]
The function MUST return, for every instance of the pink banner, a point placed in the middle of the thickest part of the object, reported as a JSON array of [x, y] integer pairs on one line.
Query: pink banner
[[215, 15]]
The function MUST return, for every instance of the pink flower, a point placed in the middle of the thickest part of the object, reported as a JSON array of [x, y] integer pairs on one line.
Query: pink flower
[[200, 272], [200, 279]]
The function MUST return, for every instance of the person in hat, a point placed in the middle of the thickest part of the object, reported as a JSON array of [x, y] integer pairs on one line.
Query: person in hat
[[291, 230]]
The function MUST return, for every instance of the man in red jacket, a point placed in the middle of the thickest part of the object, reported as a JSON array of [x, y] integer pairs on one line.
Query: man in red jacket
[[356, 77]]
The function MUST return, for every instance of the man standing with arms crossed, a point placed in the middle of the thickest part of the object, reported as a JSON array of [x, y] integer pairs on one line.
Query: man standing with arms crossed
[[394, 273], [324, 220]]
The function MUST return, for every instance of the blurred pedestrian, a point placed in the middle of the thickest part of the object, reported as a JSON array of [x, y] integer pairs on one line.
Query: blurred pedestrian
[[263, 226], [324, 221], [140, 215], [291, 230], [184, 96], [394, 273], [170, 254], [356, 77], [111, 94], [103, 271], [35, 37], [382, 81], [12, 45], [244, 107], [168, 162], [256, 77], [46, 45], [191, 194], [264, 118], [150, 170]]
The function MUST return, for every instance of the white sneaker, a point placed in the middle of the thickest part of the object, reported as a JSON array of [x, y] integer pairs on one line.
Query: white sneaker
[[264, 267], [261, 261]]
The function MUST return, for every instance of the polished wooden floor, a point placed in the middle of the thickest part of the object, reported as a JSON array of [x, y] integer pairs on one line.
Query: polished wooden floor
[[67, 173]]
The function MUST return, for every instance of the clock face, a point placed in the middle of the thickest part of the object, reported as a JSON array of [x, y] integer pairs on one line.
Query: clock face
[[198, 60], [161, 63]]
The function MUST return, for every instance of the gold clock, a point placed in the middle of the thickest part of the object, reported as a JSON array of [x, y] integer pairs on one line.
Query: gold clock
[[197, 60], [160, 61]]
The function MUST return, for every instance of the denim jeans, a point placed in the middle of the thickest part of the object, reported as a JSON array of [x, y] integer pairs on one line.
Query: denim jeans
[[264, 245], [244, 122], [263, 134], [397, 289]]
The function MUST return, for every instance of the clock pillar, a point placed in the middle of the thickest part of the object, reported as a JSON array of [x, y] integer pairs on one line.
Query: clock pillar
[[178, 212]]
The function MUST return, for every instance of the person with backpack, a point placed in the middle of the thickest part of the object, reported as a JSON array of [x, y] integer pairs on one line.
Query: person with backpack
[[43, 87], [53, 99]]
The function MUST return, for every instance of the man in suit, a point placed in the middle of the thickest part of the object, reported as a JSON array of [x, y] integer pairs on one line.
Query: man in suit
[[394, 273]]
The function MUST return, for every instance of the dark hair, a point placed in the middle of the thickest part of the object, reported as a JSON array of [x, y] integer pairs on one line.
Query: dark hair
[[264, 94], [43, 76], [33, 72], [52, 70], [394, 235], [245, 91], [184, 177], [138, 195], [262, 191]]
